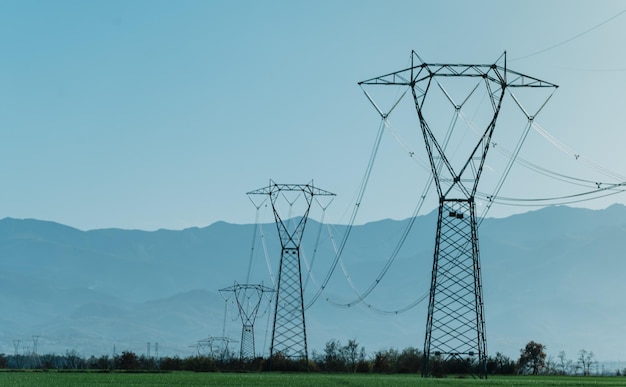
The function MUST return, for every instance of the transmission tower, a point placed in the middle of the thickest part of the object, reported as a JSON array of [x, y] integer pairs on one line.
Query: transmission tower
[[289, 329], [249, 299], [215, 347], [455, 326], [35, 361]]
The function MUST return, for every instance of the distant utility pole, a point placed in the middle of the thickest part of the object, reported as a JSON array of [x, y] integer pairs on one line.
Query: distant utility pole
[[455, 327], [16, 347], [289, 329]]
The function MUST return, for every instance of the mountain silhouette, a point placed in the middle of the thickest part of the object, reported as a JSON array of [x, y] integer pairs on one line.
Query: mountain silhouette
[[553, 275]]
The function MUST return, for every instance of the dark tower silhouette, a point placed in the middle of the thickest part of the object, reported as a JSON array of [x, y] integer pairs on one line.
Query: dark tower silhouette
[[249, 297], [455, 327], [289, 329]]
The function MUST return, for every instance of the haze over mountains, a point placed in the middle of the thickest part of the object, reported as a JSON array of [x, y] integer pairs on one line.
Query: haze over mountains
[[555, 275]]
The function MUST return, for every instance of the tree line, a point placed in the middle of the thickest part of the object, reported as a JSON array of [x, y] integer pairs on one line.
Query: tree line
[[534, 360], [335, 357]]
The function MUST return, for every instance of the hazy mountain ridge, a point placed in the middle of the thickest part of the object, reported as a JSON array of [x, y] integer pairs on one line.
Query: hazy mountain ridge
[[552, 275]]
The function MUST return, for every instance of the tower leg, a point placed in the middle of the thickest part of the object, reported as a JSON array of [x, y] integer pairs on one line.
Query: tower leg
[[289, 332], [455, 326], [247, 343]]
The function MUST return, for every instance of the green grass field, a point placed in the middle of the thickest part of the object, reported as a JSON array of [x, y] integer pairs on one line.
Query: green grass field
[[53, 378]]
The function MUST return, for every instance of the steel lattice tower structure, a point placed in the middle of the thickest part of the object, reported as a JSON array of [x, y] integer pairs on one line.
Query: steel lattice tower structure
[[455, 327], [217, 347], [289, 328], [249, 297]]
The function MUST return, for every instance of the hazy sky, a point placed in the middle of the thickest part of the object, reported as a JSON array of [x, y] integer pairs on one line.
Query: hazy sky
[[163, 114]]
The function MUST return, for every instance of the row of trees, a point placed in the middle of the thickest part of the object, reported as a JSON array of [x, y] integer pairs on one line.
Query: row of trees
[[336, 357], [126, 361], [534, 360], [350, 358], [72, 360]]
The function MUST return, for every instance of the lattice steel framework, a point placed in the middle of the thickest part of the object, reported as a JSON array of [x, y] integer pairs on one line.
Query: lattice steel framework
[[216, 347], [455, 327], [289, 329], [249, 297]]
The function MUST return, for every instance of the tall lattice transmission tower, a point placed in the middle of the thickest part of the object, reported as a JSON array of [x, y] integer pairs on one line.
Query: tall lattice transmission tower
[[289, 328], [455, 327], [249, 298]]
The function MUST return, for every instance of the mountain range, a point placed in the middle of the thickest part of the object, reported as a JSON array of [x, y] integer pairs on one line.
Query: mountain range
[[553, 275]]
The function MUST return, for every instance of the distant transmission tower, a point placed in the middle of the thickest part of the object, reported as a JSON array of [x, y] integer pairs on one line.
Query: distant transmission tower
[[289, 329], [215, 347], [35, 344], [249, 299], [455, 327], [35, 361]]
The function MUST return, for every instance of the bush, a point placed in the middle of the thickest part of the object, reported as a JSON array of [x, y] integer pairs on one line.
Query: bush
[[128, 361], [279, 362], [199, 364], [171, 363]]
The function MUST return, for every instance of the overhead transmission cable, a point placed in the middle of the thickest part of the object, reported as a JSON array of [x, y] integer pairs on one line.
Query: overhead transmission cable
[[571, 38], [361, 296], [259, 229], [546, 172], [256, 227], [267, 325], [578, 156], [602, 187], [613, 188], [361, 193], [506, 172], [267, 258], [537, 168], [309, 266], [518, 146], [355, 211]]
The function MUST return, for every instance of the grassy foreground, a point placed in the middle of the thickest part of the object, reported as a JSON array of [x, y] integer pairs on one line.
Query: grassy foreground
[[53, 378]]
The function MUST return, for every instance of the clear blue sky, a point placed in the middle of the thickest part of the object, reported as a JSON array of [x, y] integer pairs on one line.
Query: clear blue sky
[[163, 114]]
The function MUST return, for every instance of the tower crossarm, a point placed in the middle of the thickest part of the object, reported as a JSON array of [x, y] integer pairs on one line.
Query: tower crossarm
[[305, 188], [423, 71], [460, 174], [290, 237], [248, 297], [515, 79]]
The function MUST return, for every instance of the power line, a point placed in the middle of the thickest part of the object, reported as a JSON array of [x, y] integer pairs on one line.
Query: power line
[[355, 211], [572, 38]]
